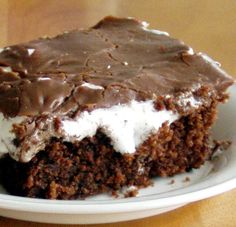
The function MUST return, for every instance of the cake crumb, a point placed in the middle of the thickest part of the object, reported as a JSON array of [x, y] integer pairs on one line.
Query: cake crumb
[[186, 179], [131, 193], [221, 145], [115, 194], [213, 170], [172, 181]]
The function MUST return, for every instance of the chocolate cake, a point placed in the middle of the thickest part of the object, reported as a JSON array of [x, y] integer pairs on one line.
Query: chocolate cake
[[95, 110]]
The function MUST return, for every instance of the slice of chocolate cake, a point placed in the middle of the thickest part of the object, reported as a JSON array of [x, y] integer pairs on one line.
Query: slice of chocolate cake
[[92, 111]]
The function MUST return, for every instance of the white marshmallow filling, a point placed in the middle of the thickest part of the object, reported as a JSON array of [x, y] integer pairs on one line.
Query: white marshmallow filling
[[127, 125]]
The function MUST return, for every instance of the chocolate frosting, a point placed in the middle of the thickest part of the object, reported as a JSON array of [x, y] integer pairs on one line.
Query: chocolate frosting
[[121, 56]]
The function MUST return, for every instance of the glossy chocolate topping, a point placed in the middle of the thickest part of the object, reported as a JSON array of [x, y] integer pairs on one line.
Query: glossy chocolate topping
[[123, 58]]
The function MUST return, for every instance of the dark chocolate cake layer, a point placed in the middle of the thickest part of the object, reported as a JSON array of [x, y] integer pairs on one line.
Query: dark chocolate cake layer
[[68, 171]]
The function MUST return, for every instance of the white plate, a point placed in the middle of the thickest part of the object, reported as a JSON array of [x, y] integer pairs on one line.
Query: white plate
[[211, 179]]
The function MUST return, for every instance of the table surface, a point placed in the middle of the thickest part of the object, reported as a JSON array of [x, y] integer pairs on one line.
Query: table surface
[[207, 25]]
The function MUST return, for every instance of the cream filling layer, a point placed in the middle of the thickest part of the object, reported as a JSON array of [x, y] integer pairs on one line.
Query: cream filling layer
[[127, 125], [6, 134]]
